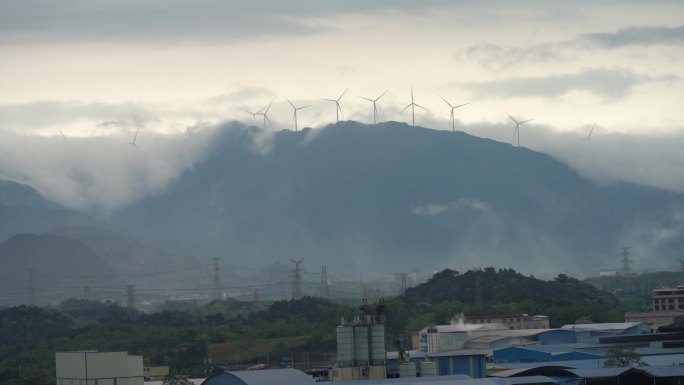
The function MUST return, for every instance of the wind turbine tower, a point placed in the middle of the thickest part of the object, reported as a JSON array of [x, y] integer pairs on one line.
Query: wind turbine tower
[[294, 116], [451, 117], [375, 107], [517, 127], [591, 131], [338, 109], [413, 106]]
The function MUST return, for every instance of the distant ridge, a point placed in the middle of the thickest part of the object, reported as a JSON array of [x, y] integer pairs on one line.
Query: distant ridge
[[390, 197]]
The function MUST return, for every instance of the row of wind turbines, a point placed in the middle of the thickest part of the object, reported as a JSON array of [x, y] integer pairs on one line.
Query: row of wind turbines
[[263, 112]]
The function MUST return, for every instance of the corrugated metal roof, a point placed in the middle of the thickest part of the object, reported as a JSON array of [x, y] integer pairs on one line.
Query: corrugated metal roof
[[663, 371], [651, 314], [598, 372], [408, 380], [526, 380], [267, 377], [602, 326], [417, 354]]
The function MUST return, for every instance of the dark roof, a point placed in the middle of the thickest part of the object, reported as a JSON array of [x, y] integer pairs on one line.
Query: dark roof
[[262, 377], [663, 371]]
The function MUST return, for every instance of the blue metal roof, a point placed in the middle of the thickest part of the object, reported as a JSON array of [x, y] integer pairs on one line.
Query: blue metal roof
[[408, 380]]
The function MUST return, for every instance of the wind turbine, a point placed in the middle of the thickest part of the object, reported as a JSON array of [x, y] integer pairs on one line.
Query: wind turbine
[[132, 143], [254, 114], [375, 107], [451, 117], [63, 137], [264, 112], [590, 131], [338, 109], [413, 108], [517, 127], [294, 117]]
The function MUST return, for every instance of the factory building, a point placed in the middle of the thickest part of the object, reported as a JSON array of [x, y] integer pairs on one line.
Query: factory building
[[418, 364], [98, 368], [513, 321], [361, 351]]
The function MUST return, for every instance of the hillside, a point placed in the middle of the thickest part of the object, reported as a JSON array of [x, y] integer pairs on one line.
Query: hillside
[[24, 210], [60, 266], [389, 197]]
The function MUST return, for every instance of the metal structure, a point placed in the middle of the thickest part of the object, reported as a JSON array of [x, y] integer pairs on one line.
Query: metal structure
[[338, 109], [452, 120], [325, 289], [297, 279], [517, 127], [32, 288], [413, 106], [294, 116], [217, 281], [375, 107]]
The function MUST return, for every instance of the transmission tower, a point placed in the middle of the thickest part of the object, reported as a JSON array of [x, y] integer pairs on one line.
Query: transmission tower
[[626, 271], [325, 290], [402, 278], [217, 281], [86, 288], [32, 288], [130, 297], [297, 279]]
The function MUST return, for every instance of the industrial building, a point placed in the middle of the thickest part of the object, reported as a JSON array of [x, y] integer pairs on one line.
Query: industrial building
[[667, 299], [419, 364], [98, 368], [513, 321], [361, 351]]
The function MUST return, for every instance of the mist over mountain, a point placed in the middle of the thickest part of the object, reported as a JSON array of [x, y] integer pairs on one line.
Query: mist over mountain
[[367, 200]]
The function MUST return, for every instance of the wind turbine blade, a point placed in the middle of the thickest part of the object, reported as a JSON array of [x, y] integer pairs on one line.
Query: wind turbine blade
[[299, 108], [345, 91], [340, 108], [405, 108], [268, 107], [288, 100], [461, 105], [370, 100], [268, 120], [418, 105], [525, 121], [381, 95], [509, 115], [446, 102], [330, 100]]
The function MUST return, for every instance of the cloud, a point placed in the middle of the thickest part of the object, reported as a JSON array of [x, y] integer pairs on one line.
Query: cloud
[[434, 209], [175, 21], [608, 83], [100, 174], [497, 58], [638, 36]]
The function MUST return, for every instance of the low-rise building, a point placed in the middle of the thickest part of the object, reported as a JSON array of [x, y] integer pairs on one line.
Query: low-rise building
[[667, 299], [102, 368], [513, 321]]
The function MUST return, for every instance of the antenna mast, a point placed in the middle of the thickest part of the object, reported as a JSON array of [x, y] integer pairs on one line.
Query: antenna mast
[[626, 270]]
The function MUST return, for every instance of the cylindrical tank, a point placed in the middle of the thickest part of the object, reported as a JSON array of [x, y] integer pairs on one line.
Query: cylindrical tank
[[345, 345], [378, 354], [428, 369], [361, 347], [407, 369]]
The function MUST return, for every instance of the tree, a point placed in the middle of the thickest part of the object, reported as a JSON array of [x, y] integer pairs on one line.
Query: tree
[[623, 357]]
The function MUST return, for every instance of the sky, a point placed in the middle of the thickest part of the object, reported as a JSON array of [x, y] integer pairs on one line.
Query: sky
[[80, 79]]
